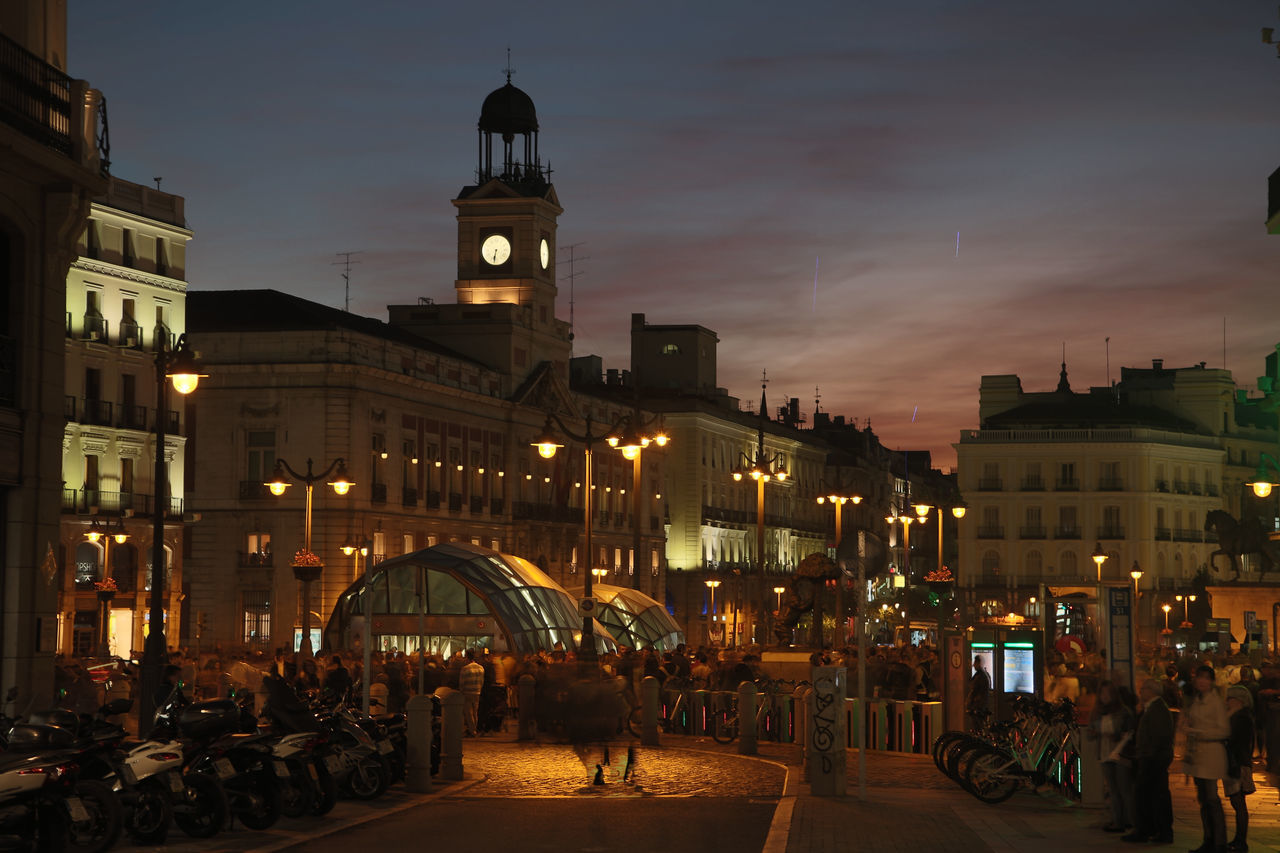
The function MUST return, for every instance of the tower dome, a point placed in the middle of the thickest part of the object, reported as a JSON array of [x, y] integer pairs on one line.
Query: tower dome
[[508, 111]]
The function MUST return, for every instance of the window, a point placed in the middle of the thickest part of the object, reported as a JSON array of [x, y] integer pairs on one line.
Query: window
[[127, 254], [257, 617], [990, 561], [126, 475], [1035, 564], [162, 257], [258, 545], [1111, 517], [407, 543], [670, 349], [1068, 562], [261, 455]]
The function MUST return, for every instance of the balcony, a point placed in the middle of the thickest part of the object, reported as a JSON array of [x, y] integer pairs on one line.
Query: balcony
[[1194, 488], [132, 417], [433, 499], [1162, 485], [1187, 534], [92, 501], [477, 504], [1071, 485], [409, 497], [48, 107], [256, 559], [1111, 532], [1211, 490], [1034, 532], [254, 491], [1111, 484], [990, 579], [95, 328], [1164, 534], [1066, 532], [495, 506], [161, 338], [991, 531], [990, 484], [1032, 484], [378, 493], [455, 502], [527, 511], [1180, 487], [97, 412], [129, 335]]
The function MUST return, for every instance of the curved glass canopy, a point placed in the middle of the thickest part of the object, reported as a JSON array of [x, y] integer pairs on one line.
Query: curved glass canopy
[[634, 619], [460, 596]]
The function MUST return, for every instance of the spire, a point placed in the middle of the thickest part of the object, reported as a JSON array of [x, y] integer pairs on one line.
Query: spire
[[764, 382], [1064, 387]]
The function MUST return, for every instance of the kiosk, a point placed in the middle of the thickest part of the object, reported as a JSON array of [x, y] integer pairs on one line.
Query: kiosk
[[1014, 659]]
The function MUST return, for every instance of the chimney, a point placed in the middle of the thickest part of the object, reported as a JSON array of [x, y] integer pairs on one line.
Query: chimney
[[1157, 364]]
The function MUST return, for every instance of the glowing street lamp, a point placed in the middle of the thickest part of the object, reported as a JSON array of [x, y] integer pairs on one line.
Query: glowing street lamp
[[1166, 608], [1262, 484], [1186, 602], [1099, 557], [711, 585], [306, 565]]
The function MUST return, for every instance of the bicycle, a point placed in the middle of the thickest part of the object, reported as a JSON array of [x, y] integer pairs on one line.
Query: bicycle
[[674, 716], [725, 722]]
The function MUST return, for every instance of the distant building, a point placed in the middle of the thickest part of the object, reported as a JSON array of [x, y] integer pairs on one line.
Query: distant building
[[1134, 469], [53, 135], [125, 298]]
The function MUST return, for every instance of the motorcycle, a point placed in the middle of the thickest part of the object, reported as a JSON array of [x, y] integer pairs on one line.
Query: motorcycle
[[306, 787], [38, 801], [242, 764]]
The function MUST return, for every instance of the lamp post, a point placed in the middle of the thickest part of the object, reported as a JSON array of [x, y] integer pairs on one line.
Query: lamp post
[[906, 521], [762, 468], [306, 565], [1099, 557], [1166, 608], [1136, 574], [1186, 612], [547, 447], [1262, 484], [180, 366], [839, 498], [106, 585], [631, 444]]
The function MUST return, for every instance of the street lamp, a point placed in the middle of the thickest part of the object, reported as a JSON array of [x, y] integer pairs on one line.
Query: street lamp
[[1186, 601], [631, 443], [1136, 574], [778, 591], [1099, 557], [106, 585], [306, 565], [711, 585], [762, 468], [1262, 483], [547, 446], [1166, 608], [839, 500], [180, 366]]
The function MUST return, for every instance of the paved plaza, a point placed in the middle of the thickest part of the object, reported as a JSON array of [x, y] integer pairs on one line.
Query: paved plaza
[[908, 804]]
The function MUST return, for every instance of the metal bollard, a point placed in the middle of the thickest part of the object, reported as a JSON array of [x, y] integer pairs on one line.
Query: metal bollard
[[747, 719], [649, 711], [526, 728], [451, 727], [701, 713], [417, 772]]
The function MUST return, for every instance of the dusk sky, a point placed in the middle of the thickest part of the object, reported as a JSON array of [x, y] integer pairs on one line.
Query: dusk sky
[[1103, 161]]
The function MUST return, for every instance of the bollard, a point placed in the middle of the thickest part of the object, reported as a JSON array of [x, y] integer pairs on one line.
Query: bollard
[[747, 719], [701, 713], [451, 726], [800, 701], [649, 711], [417, 769], [526, 728]]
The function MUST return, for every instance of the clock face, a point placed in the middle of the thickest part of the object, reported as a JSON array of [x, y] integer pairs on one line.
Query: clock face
[[495, 250], [544, 252]]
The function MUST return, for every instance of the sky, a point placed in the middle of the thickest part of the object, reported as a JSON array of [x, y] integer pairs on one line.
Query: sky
[[876, 201]]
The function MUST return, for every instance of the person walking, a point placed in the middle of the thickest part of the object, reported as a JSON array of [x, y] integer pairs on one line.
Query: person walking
[[470, 684], [1239, 781], [1112, 723], [1153, 753], [1207, 726], [977, 696]]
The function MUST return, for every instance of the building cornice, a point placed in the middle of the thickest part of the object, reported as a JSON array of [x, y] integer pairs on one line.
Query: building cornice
[[129, 274]]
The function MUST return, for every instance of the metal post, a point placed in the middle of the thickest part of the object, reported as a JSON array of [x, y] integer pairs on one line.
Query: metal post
[[649, 711], [587, 646], [417, 778], [450, 733], [367, 678], [636, 507], [422, 629], [155, 652], [304, 647], [860, 736], [747, 719]]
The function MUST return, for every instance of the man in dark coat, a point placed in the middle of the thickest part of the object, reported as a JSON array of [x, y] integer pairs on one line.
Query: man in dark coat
[[1153, 749]]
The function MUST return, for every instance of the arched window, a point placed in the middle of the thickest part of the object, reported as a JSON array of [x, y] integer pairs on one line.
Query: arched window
[[1068, 562], [990, 561], [1035, 564]]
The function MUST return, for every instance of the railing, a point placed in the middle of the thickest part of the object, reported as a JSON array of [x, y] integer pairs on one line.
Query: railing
[[97, 412], [1162, 485], [990, 579], [133, 417], [1066, 533], [1079, 436], [95, 328], [991, 531], [1180, 487], [1032, 484], [477, 504], [409, 496], [1033, 533], [455, 502], [990, 484], [1111, 532], [527, 511], [1193, 488], [161, 338], [69, 408], [35, 97], [251, 490], [495, 506], [1187, 534], [256, 559], [1211, 490], [1163, 534], [1067, 486], [378, 493], [433, 499], [1110, 484], [129, 335], [97, 500]]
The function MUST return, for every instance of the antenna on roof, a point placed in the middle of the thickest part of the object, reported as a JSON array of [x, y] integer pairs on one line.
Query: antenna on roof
[[573, 274], [509, 70], [345, 263], [1108, 360], [157, 180]]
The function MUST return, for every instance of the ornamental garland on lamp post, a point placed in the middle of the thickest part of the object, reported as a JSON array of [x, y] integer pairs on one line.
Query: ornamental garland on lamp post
[[306, 564]]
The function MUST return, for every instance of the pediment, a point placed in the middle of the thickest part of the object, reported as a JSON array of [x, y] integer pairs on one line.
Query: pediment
[[545, 390]]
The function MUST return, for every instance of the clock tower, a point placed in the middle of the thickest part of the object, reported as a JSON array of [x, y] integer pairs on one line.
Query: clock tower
[[506, 284]]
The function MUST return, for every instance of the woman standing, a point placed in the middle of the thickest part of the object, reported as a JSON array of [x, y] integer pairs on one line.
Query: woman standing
[[1239, 781], [1206, 726], [1112, 722]]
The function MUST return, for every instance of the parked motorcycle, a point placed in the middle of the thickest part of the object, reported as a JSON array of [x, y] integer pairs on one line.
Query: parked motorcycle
[[37, 798]]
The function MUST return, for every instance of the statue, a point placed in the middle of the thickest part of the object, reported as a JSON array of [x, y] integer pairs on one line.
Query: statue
[[811, 576], [1236, 538]]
